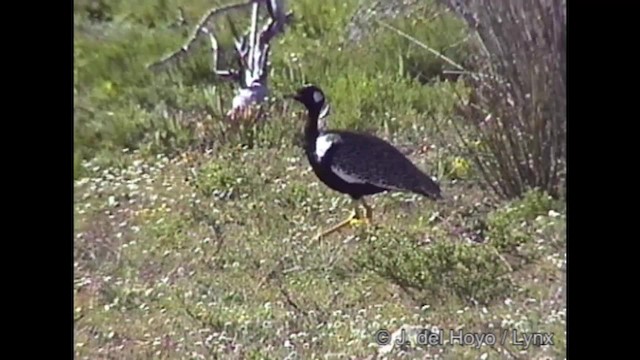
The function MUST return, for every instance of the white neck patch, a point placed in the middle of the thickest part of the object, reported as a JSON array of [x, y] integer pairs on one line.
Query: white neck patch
[[323, 144], [317, 96]]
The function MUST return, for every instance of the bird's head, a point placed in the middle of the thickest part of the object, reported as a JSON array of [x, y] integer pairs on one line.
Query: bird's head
[[310, 96]]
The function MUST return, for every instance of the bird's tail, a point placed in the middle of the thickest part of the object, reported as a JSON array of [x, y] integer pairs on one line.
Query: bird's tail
[[429, 188], [432, 194]]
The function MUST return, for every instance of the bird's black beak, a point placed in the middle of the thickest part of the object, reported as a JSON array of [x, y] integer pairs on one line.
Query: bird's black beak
[[292, 96]]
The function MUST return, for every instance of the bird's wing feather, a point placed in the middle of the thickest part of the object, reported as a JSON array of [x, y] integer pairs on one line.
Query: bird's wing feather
[[362, 158], [347, 175]]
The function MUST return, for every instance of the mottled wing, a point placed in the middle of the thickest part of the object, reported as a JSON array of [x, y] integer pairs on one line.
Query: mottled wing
[[362, 158]]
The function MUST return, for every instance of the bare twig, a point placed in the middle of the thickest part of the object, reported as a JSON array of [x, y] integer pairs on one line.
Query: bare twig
[[196, 35], [461, 70], [275, 272], [292, 303], [421, 44]]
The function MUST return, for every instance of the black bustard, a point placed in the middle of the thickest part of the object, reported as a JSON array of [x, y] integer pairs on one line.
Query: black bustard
[[357, 164]]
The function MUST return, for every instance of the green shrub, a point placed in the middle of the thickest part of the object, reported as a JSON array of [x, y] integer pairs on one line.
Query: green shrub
[[439, 270], [511, 229]]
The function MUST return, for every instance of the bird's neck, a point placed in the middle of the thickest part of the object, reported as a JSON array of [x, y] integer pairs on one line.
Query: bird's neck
[[311, 126]]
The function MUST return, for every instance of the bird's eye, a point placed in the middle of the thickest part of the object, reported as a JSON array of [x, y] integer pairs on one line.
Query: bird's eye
[[317, 96]]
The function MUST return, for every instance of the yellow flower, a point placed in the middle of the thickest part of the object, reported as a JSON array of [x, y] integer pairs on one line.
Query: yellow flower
[[109, 88], [460, 167]]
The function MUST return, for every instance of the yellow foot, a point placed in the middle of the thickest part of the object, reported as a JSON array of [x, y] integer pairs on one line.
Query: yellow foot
[[339, 226], [359, 222], [353, 221]]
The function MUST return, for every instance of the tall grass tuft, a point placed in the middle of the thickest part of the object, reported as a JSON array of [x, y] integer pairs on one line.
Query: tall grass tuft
[[516, 112]]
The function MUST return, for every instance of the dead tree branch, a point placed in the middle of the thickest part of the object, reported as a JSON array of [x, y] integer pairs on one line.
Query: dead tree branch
[[201, 29], [252, 51]]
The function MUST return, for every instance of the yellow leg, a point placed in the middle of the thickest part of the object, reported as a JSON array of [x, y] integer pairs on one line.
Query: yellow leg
[[355, 219], [368, 212], [338, 226]]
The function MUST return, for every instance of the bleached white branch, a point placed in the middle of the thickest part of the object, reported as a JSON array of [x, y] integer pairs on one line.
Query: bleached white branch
[[197, 34], [252, 50]]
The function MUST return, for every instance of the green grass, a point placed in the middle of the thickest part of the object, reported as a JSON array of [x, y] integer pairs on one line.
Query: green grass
[[182, 253]]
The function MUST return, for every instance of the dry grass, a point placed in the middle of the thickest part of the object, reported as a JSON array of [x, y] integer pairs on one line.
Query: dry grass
[[516, 113]]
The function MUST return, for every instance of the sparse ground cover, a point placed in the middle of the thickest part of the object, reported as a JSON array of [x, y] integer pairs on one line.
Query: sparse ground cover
[[194, 237]]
